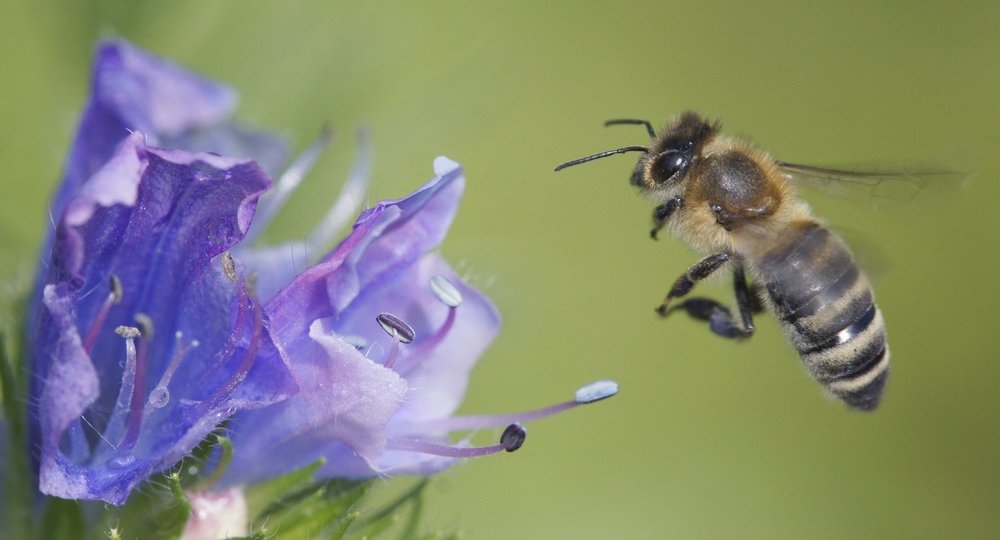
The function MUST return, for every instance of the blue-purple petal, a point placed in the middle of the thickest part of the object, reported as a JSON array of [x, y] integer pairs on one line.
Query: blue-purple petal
[[389, 236], [135, 91], [343, 405]]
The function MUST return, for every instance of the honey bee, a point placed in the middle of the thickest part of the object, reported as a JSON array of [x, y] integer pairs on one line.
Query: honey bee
[[733, 202]]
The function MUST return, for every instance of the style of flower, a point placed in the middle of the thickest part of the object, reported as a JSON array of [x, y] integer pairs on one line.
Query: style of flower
[[156, 318]]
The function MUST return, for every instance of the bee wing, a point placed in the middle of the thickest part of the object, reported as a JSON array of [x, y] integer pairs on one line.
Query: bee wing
[[900, 185]]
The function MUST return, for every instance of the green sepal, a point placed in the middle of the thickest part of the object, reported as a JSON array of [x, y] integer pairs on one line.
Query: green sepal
[[155, 512], [382, 519], [255, 536], [261, 495], [201, 454], [321, 509]]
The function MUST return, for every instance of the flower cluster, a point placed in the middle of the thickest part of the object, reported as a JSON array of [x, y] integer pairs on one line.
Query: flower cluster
[[157, 318]]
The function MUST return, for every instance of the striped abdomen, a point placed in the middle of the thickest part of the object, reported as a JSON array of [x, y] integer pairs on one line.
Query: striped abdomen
[[828, 310]]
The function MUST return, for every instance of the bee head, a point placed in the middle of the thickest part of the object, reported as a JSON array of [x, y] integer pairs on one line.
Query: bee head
[[672, 152]]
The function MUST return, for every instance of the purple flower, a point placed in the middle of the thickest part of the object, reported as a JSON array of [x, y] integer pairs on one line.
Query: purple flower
[[382, 335], [157, 319], [155, 225], [139, 246]]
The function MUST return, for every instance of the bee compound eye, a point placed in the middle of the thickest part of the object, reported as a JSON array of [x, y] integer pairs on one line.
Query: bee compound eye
[[667, 165]]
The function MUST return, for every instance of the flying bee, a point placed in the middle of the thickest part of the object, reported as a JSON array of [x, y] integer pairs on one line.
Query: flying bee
[[734, 202]]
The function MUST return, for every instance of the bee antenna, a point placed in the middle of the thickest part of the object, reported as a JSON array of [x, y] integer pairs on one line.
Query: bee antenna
[[602, 155], [633, 121]]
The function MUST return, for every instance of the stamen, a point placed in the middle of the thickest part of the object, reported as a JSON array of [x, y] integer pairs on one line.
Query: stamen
[[135, 408], [512, 439], [591, 393], [450, 296], [116, 289], [145, 325], [114, 297], [400, 333], [121, 411]]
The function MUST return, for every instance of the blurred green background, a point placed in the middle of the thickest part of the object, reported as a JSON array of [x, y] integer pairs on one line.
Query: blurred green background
[[708, 438]]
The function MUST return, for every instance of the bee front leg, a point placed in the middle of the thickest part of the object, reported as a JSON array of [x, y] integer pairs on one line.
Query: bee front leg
[[701, 270], [662, 213], [720, 318]]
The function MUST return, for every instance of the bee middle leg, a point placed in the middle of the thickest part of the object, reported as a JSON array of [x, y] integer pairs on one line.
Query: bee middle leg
[[720, 319]]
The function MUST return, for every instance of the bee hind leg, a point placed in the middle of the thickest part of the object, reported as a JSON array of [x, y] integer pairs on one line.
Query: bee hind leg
[[747, 303], [720, 319]]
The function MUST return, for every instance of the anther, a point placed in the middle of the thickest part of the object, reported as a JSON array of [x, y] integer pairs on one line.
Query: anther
[[445, 291], [596, 391], [229, 266], [400, 332], [145, 324], [396, 327], [115, 295], [128, 332], [513, 437], [116, 289]]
